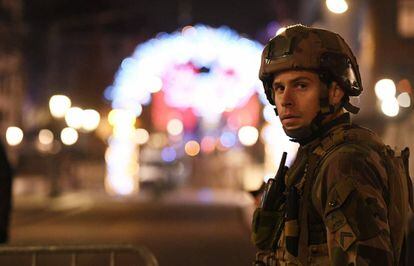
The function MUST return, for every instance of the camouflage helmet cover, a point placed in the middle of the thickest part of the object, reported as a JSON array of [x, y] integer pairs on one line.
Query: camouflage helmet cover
[[305, 48]]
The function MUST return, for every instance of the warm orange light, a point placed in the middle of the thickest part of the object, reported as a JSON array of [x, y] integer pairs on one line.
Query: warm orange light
[[208, 144], [404, 85], [188, 30], [192, 148]]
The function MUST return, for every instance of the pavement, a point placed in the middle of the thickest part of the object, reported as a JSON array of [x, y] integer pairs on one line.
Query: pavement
[[186, 226], [75, 201]]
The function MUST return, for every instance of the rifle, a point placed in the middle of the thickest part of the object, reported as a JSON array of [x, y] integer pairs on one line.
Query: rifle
[[268, 218], [273, 196]]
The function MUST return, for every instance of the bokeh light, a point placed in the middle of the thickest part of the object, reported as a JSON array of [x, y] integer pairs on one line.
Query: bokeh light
[[208, 144], [58, 105], [90, 119], [404, 85], [155, 84], [390, 107], [122, 163], [269, 114], [141, 136], [168, 154], [175, 127], [138, 109], [69, 136], [248, 135], [193, 66], [14, 136], [189, 30], [404, 100], [121, 117], [186, 69], [46, 137], [228, 139], [122, 166], [120, 185], [192, 148], [74, 117], [337, 6], [158, 140], [385, 89]]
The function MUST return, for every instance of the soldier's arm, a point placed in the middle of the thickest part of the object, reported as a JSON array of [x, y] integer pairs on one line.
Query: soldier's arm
[[348, 194]]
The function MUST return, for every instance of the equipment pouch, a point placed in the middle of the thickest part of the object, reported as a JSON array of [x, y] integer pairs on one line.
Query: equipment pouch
[[266, 228]]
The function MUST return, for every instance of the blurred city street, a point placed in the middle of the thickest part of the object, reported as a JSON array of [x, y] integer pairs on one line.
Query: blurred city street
[[145, 122], [186, 227]]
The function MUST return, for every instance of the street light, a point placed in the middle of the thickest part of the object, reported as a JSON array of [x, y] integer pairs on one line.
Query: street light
[[45, 142], [69, 136], [175, 127], [390, 107], [141, 136], [14, 136], [90, 120], [385, 89], [248, 135], [192, 148], [404, 100], [337, 6], [58, 105], [74, 117], [121, 118], [46, 137]]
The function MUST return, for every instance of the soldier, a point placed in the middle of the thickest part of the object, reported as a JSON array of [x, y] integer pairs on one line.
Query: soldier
[[6, 176], [346, 196]]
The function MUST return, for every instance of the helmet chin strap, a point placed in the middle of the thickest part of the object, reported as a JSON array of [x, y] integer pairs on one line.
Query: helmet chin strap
[[304, 134]]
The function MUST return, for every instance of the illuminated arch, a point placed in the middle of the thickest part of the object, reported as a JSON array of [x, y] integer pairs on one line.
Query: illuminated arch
[[207, 70]]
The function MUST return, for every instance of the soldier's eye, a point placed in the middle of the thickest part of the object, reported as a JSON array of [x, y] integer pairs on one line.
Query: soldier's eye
[[301, 85], [278, 88]]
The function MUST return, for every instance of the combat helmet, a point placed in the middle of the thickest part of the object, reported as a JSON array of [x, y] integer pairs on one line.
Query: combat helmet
[[304, 48]]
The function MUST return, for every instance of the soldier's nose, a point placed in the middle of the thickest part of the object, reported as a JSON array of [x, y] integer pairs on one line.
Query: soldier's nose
[[287, 99]]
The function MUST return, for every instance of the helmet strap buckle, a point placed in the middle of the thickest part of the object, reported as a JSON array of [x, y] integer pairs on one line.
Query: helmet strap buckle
[[350, 108]]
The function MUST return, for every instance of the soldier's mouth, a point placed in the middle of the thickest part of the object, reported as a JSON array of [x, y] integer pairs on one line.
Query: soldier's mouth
[[290, 120], [286, 117]]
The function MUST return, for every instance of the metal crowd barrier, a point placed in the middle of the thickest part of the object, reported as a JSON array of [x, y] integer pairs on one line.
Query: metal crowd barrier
[[75, 251]]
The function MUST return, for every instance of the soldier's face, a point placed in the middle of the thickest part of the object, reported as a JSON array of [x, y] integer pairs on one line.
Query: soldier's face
[[296, 94]]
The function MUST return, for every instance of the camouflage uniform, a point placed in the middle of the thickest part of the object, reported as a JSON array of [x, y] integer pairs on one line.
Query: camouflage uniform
[[348, 194], [346, 219]]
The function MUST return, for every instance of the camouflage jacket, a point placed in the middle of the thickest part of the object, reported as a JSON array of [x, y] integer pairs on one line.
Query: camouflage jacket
[[343, 218]]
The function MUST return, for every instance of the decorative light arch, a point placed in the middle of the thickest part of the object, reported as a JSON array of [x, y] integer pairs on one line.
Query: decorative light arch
[[207, 70]]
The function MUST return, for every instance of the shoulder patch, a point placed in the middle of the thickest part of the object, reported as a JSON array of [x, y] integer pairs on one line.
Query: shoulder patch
[[345, 237]]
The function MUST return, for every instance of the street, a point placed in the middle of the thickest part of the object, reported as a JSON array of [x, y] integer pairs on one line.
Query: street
[[182, 228]]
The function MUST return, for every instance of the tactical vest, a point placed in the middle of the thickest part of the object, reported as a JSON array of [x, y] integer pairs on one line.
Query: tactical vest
[[309, 229]]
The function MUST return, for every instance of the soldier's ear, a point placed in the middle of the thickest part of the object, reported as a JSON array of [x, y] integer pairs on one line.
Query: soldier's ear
[[336, 93]]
